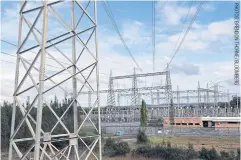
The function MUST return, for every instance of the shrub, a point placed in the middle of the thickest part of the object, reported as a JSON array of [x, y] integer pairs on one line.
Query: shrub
[[165, 152], [141, 137], [203, 154], [168, 152], [112, 148], [109, 147], [238, 154], [224, 155], [191, 153], [143, 151], [121, 148], [209, 154], [232, 155], [169, 145], [213, 154]]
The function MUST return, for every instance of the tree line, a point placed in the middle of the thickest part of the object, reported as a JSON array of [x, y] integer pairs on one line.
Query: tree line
[[48, 120]]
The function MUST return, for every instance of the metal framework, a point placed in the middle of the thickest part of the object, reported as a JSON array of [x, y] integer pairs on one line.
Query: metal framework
[[134, 95], [111, 94], [168, 91], [32, 77]]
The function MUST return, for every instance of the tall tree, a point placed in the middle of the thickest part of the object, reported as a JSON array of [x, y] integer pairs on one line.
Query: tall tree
[[143, 118]]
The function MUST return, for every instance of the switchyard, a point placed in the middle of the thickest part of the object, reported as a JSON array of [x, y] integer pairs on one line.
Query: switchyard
[[200, 102]]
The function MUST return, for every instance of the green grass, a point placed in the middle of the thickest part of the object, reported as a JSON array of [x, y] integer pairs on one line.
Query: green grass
[[220, 143]]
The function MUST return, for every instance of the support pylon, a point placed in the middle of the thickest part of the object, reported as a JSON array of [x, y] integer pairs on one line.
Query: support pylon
[[178, 97], [207, 95], [199, 97], [134, 96], [158, 97], [168, 92], [111, 93], [118, 99], [152, 99]]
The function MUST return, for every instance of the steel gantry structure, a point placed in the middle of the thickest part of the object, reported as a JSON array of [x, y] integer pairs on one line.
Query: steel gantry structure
[[188, 103], [39, 47], [112, 111], [135, 96]]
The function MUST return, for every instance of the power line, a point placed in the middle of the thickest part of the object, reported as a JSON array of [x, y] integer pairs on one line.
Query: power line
[[51, 58], [184, 23], [37, 62], [111, 17], [187, 31], [34, 53], [29, 51], [8, 61], [29, 60], [47, 70]]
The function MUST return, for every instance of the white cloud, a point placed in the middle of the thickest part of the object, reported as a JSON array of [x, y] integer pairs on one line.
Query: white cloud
[[198, 40], [209, 7], [221, 28], [134, 33], [172, 13], [186, 69]]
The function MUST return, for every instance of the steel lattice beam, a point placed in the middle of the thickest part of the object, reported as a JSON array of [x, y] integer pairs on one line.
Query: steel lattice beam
[[140, 75]]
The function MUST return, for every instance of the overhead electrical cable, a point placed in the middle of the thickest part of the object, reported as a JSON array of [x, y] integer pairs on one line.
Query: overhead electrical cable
[[183, 26], [35, 53], [111, 17], [30, 50], [187, 31]]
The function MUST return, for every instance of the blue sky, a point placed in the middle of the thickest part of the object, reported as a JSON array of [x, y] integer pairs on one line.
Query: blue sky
[[206, 54]]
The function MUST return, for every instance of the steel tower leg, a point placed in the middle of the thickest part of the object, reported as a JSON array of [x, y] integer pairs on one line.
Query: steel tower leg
[[15, 86], [97, 80], [74, 82], [41, 82]]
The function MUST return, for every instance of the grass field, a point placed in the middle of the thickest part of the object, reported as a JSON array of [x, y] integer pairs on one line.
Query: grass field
[[220, 143]]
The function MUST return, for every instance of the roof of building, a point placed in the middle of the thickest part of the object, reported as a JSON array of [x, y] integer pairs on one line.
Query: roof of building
[[222, 119]]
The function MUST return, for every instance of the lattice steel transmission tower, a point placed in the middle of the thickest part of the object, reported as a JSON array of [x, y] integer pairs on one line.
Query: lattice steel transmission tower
[[158, 97], [199, 97], [168, 92], [178, 97], [57, 47], [111, 93], [134, 96], [207, 94]]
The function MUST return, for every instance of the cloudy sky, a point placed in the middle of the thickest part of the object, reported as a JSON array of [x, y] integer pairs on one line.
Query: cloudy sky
[[205, 55]]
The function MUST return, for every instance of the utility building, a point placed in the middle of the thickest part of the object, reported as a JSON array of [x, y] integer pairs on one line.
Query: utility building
[[205, 122]]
